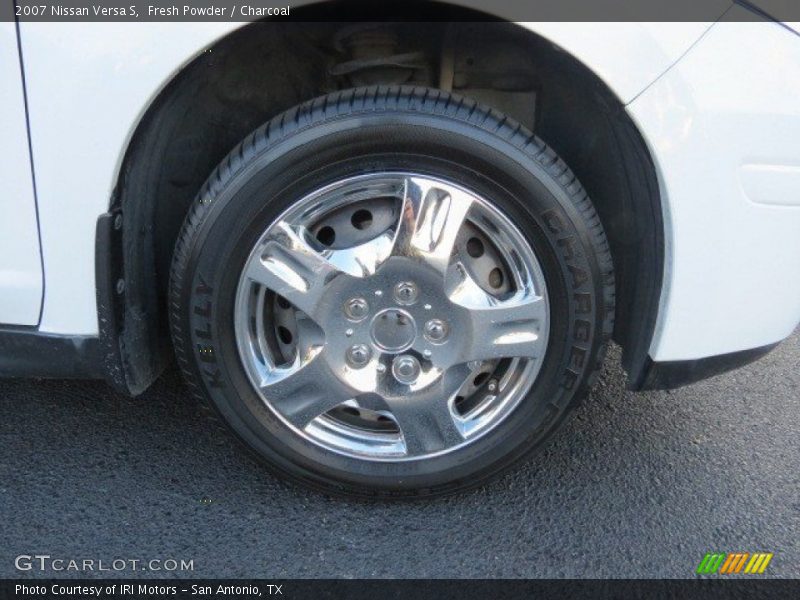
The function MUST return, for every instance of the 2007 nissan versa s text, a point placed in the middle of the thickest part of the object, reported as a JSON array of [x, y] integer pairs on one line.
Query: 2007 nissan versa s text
[[391, 255]]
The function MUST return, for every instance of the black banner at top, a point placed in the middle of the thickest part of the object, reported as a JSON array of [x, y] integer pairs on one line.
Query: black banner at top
[[414, 10]]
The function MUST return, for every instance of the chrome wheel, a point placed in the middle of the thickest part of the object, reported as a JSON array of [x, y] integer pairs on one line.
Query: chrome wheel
[[392, 316]]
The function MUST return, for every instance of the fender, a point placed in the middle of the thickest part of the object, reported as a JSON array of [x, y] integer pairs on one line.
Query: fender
[[120, 69]]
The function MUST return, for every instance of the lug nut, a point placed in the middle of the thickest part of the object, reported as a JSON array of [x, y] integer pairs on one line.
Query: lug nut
[[405, 368], [406, 292], [358, 355], [436, 331], [356, 308]]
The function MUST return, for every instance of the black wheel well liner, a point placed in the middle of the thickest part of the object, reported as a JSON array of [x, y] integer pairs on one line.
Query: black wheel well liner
[[217, 99]]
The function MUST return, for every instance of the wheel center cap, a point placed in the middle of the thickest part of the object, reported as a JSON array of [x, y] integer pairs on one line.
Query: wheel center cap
[[393, 330]]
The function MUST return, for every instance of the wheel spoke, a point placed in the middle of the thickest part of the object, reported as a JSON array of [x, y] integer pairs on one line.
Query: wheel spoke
[[289, 266], [427, 425], [507, 329], [425, 418], [430, 218], [306, 389], [362, 260]]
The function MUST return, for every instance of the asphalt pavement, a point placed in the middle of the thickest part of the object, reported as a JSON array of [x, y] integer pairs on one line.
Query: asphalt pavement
[[635, 485]]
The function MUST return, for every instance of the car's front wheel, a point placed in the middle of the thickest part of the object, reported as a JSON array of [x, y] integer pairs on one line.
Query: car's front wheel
[[391, 291]]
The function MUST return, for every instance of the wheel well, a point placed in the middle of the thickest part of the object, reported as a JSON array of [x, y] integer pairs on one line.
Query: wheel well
[[264, 68]]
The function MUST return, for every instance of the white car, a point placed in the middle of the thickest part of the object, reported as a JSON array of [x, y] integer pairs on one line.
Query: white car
[[391, 255]]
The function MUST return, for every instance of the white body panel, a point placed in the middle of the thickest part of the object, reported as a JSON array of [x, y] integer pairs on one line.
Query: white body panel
[[720, 115], [89, 84], [20, 261], [724, 129]]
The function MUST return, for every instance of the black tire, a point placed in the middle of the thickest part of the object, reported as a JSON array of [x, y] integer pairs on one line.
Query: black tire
[[365, 130]]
